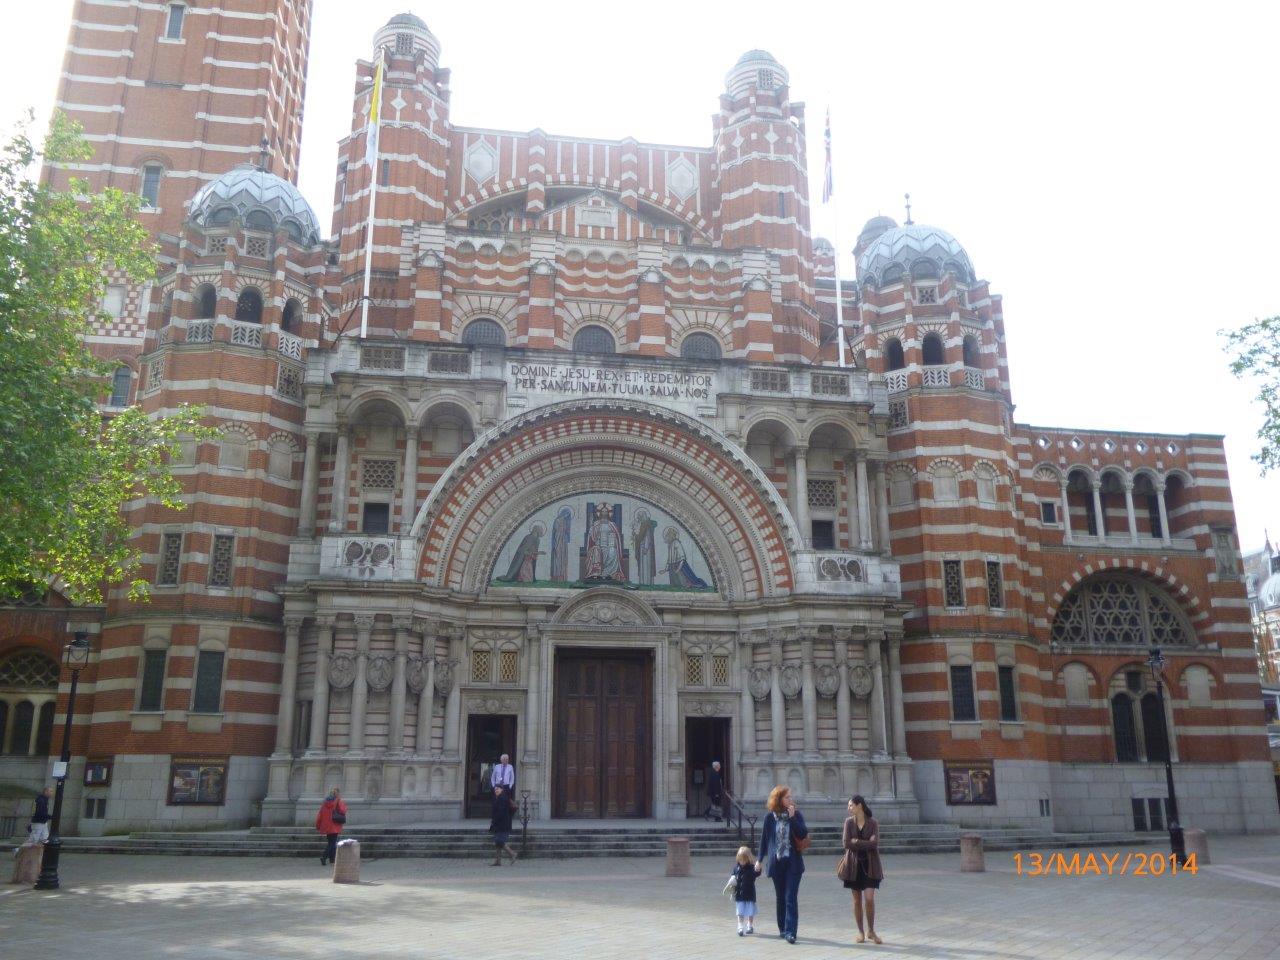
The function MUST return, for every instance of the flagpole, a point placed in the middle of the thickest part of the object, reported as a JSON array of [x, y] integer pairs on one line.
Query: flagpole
[[829, 189], [372, 146]]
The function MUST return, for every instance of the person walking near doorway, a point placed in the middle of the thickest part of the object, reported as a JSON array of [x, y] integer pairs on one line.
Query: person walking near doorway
[[504, 775], [715, 793], [783, 840], [329, 821], [500, 825]]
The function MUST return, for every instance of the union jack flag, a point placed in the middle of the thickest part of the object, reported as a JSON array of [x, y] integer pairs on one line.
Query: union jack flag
[[827, 185]]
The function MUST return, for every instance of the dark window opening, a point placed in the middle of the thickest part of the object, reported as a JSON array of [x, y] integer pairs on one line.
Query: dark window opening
[[151, 184], [484, 333], [44, 729], [292, 316], [932, 349], [376, 518], [893, 356], [206, 302], [700, 346], [208, 693], [971, 356], [963, 706], [1008, 694], [23, 718], [177, 13], [384, 176], [1048, 511], [249, 305], [151, 696], [1153, 737], [593, 339], [1123, 729], [121, 380], [824, 535]]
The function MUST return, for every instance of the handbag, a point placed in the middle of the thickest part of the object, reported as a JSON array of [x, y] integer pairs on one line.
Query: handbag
[[338, 816], [845, 868], [802, 843]]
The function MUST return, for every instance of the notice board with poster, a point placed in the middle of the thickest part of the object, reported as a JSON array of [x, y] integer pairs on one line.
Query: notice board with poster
[[970, 783], [198, 781]]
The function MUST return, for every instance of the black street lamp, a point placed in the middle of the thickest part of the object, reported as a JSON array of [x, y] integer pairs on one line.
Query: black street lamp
[[1177, 842], [76, 656]]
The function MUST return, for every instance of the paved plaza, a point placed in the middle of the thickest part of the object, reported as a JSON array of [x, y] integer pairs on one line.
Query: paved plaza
[[209, 907]]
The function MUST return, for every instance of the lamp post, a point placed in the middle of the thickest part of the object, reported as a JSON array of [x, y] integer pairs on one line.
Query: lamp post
[[76, 656], [1177, 843]]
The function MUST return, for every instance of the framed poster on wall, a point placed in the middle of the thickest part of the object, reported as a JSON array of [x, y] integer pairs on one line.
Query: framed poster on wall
[[198, 781], [97, 773], [970, 783]]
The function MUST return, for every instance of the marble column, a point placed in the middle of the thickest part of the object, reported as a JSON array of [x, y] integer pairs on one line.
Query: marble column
[[801, 455], [876, 719], [395, 731], [1100, 518], [851, 499], [360, 688], [426, 696], [777, 705], [748, 705], [1164, 514], [288, 685], [1066, 515], [675, 662], [895, 688], [1128, 506], [809, 698], [409, 483], [864, 504], [320, 690], [453, 705], [532, 708], [310, 485], [844, 744], [341, 479], [882, 508]]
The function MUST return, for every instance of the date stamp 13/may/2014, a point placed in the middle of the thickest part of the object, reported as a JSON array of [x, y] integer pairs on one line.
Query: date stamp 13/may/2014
[[1133, 863]]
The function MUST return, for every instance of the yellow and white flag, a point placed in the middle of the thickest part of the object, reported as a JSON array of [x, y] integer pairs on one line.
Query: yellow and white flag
[[375, 112]]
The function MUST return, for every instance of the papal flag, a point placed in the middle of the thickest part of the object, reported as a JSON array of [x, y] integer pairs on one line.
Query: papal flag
[[827, 185], [375, 111]]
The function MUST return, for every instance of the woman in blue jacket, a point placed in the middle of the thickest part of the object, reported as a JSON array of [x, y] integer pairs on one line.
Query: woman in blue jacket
[[781, 857]]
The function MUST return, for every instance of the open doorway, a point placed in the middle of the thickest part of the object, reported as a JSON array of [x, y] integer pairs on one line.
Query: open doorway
[[706, 739], [489, 736]]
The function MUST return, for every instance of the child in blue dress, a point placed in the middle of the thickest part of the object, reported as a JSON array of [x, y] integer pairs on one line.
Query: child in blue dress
[[742, 885]]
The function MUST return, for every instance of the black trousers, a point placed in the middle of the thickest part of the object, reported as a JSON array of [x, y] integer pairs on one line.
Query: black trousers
[[331, 847]]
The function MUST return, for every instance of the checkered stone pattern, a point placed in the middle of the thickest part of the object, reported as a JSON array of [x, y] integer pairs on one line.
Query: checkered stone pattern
[[131, 326]]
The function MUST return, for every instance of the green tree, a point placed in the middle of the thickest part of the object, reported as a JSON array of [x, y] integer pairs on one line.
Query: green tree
[[65, 473], [1255, 356]]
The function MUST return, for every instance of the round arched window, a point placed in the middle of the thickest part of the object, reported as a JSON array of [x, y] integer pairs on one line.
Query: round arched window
[[292, 316], [893, 357], [700, 346], [121, 380], [206, 301], [249, 305], [1119, 610], [932, 350], [484, 333], [593, 339]]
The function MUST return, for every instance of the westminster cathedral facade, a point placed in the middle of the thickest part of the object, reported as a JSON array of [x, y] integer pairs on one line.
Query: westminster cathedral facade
[[601, 486]]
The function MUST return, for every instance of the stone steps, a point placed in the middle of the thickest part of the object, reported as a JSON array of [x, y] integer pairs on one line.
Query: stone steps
[[560, 842]]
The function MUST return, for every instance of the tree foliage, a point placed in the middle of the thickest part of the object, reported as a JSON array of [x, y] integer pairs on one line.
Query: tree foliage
[[1255, 353], [65, 474]]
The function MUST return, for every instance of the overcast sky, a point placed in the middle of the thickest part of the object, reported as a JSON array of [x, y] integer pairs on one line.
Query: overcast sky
[[1111, 167]]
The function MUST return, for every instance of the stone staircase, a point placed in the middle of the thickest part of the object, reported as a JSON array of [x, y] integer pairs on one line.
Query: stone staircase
[[560, 841]]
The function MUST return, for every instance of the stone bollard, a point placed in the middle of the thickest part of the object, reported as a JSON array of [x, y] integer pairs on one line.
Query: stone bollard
[[346, 865], [971, 858], [1197, 846], [677, 856], [27, 861]]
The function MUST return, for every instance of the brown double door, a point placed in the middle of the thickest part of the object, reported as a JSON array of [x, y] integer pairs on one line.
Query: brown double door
[[602, 750]]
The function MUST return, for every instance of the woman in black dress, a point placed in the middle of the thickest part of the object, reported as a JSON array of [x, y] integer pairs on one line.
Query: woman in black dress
[[500, 825], [862, 846]]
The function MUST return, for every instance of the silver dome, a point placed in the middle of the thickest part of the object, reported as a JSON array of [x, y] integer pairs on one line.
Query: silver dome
[[1269, 595], [915, 251], [262, 200], [755, 68]]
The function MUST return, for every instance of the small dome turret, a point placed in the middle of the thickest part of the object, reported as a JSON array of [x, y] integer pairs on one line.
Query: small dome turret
[[407, 35], [1269, 595], [913, 252], [755, 68], [260, 199]]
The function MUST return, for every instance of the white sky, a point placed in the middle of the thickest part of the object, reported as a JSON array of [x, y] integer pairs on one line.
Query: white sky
[[1111, 168]]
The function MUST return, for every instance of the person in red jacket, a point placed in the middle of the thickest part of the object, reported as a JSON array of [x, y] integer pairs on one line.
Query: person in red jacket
[[329, 821]]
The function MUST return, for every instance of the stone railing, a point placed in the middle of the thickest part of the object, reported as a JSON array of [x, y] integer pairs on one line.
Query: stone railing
[[1120, 540], [937, 376], [974, 378], [290, 346], [358, 556], [246, 334], [896, 380], [200, 331]]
